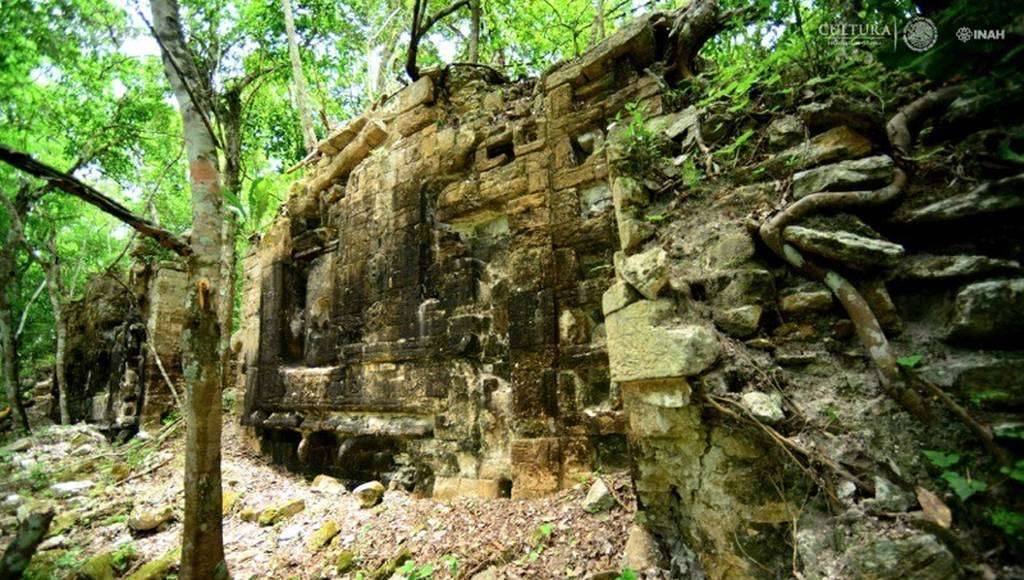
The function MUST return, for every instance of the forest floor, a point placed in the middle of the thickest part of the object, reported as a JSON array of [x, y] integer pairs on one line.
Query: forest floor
[[140, 483]]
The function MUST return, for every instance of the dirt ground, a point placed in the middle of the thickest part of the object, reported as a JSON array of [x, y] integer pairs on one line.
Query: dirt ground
[[546, 538]]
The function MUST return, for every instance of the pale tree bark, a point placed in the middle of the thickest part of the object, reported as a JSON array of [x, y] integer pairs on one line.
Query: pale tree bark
[[473, 53], [8, 340], [299, 79], [28, 307], [202, 551], [55, 289], [230, 117], [384, 39], [597, 31]]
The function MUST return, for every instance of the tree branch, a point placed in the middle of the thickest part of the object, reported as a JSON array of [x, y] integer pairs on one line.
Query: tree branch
[[72, 186], [418, 31], [28, 307], [181, 75]]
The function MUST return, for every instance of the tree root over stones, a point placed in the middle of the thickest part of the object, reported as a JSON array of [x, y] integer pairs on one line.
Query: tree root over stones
[[805, 458], [869, 331]]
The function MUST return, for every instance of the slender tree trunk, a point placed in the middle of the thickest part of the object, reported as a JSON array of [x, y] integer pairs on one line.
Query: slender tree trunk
[[26, 540], [231, 122], [8, 339], [202, 551], [299, 79], [28, 308], [597, 31], [10, 360], [474, 31], [55, 288]]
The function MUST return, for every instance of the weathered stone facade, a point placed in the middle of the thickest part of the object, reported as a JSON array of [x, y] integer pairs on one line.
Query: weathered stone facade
[[116, 332], [437, 279], [469, 295]]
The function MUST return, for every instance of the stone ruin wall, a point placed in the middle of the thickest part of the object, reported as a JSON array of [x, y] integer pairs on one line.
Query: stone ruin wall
[[435, 283], [116, 332], [466, 297]]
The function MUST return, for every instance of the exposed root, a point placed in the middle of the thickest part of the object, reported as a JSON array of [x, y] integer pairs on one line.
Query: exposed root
[[899, 130], [802, 456], [983, 431]]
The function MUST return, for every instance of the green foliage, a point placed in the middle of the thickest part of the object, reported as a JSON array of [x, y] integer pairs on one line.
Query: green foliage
[[627, 574], [941, 459], [1011, 523], [963, 487], [1015, 472], [452, 563], [412, 571], [1010, 431], [124, 556], [544, 531], [641, 149], [910, 362], [978, 398], [38, 478]]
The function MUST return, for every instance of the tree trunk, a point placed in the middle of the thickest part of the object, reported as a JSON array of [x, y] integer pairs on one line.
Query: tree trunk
[[202, 550], [10, 360], [26, 540], [597, 32], [8, 339], [421, 25], [301, 96], [55, 288], [231, 121], [474, 31]]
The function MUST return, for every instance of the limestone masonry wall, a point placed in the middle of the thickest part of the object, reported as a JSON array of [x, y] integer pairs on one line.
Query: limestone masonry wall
[[468, 295], [116, 332]]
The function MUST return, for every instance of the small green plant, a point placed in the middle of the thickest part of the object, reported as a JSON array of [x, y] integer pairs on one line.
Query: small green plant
[[229, 401], [963, 487], [114, 519], [941, 459], [688, 172], [1016, 472], [38, 478], [731, 151], [452, 563], [124, 556], [543, 532], [1010, 431], [641, 148], [655, 217], [540, 537], [171, 417], [978, 398], [909, 362], [1010, 522], [626, 574], [413, 572]]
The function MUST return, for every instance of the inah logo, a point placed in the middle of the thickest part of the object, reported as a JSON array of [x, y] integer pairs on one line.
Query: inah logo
[[966, 34], [920, 34]]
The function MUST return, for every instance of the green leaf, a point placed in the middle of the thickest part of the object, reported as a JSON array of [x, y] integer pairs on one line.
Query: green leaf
[[546, 530], [963, 487], [656, 217], [1016, 472], [1010, 431], [909, 361], [627, 574], [1011, 523], [940, 459]]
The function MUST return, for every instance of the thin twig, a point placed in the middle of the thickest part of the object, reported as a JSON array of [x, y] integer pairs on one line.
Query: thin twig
[[167, 379]]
